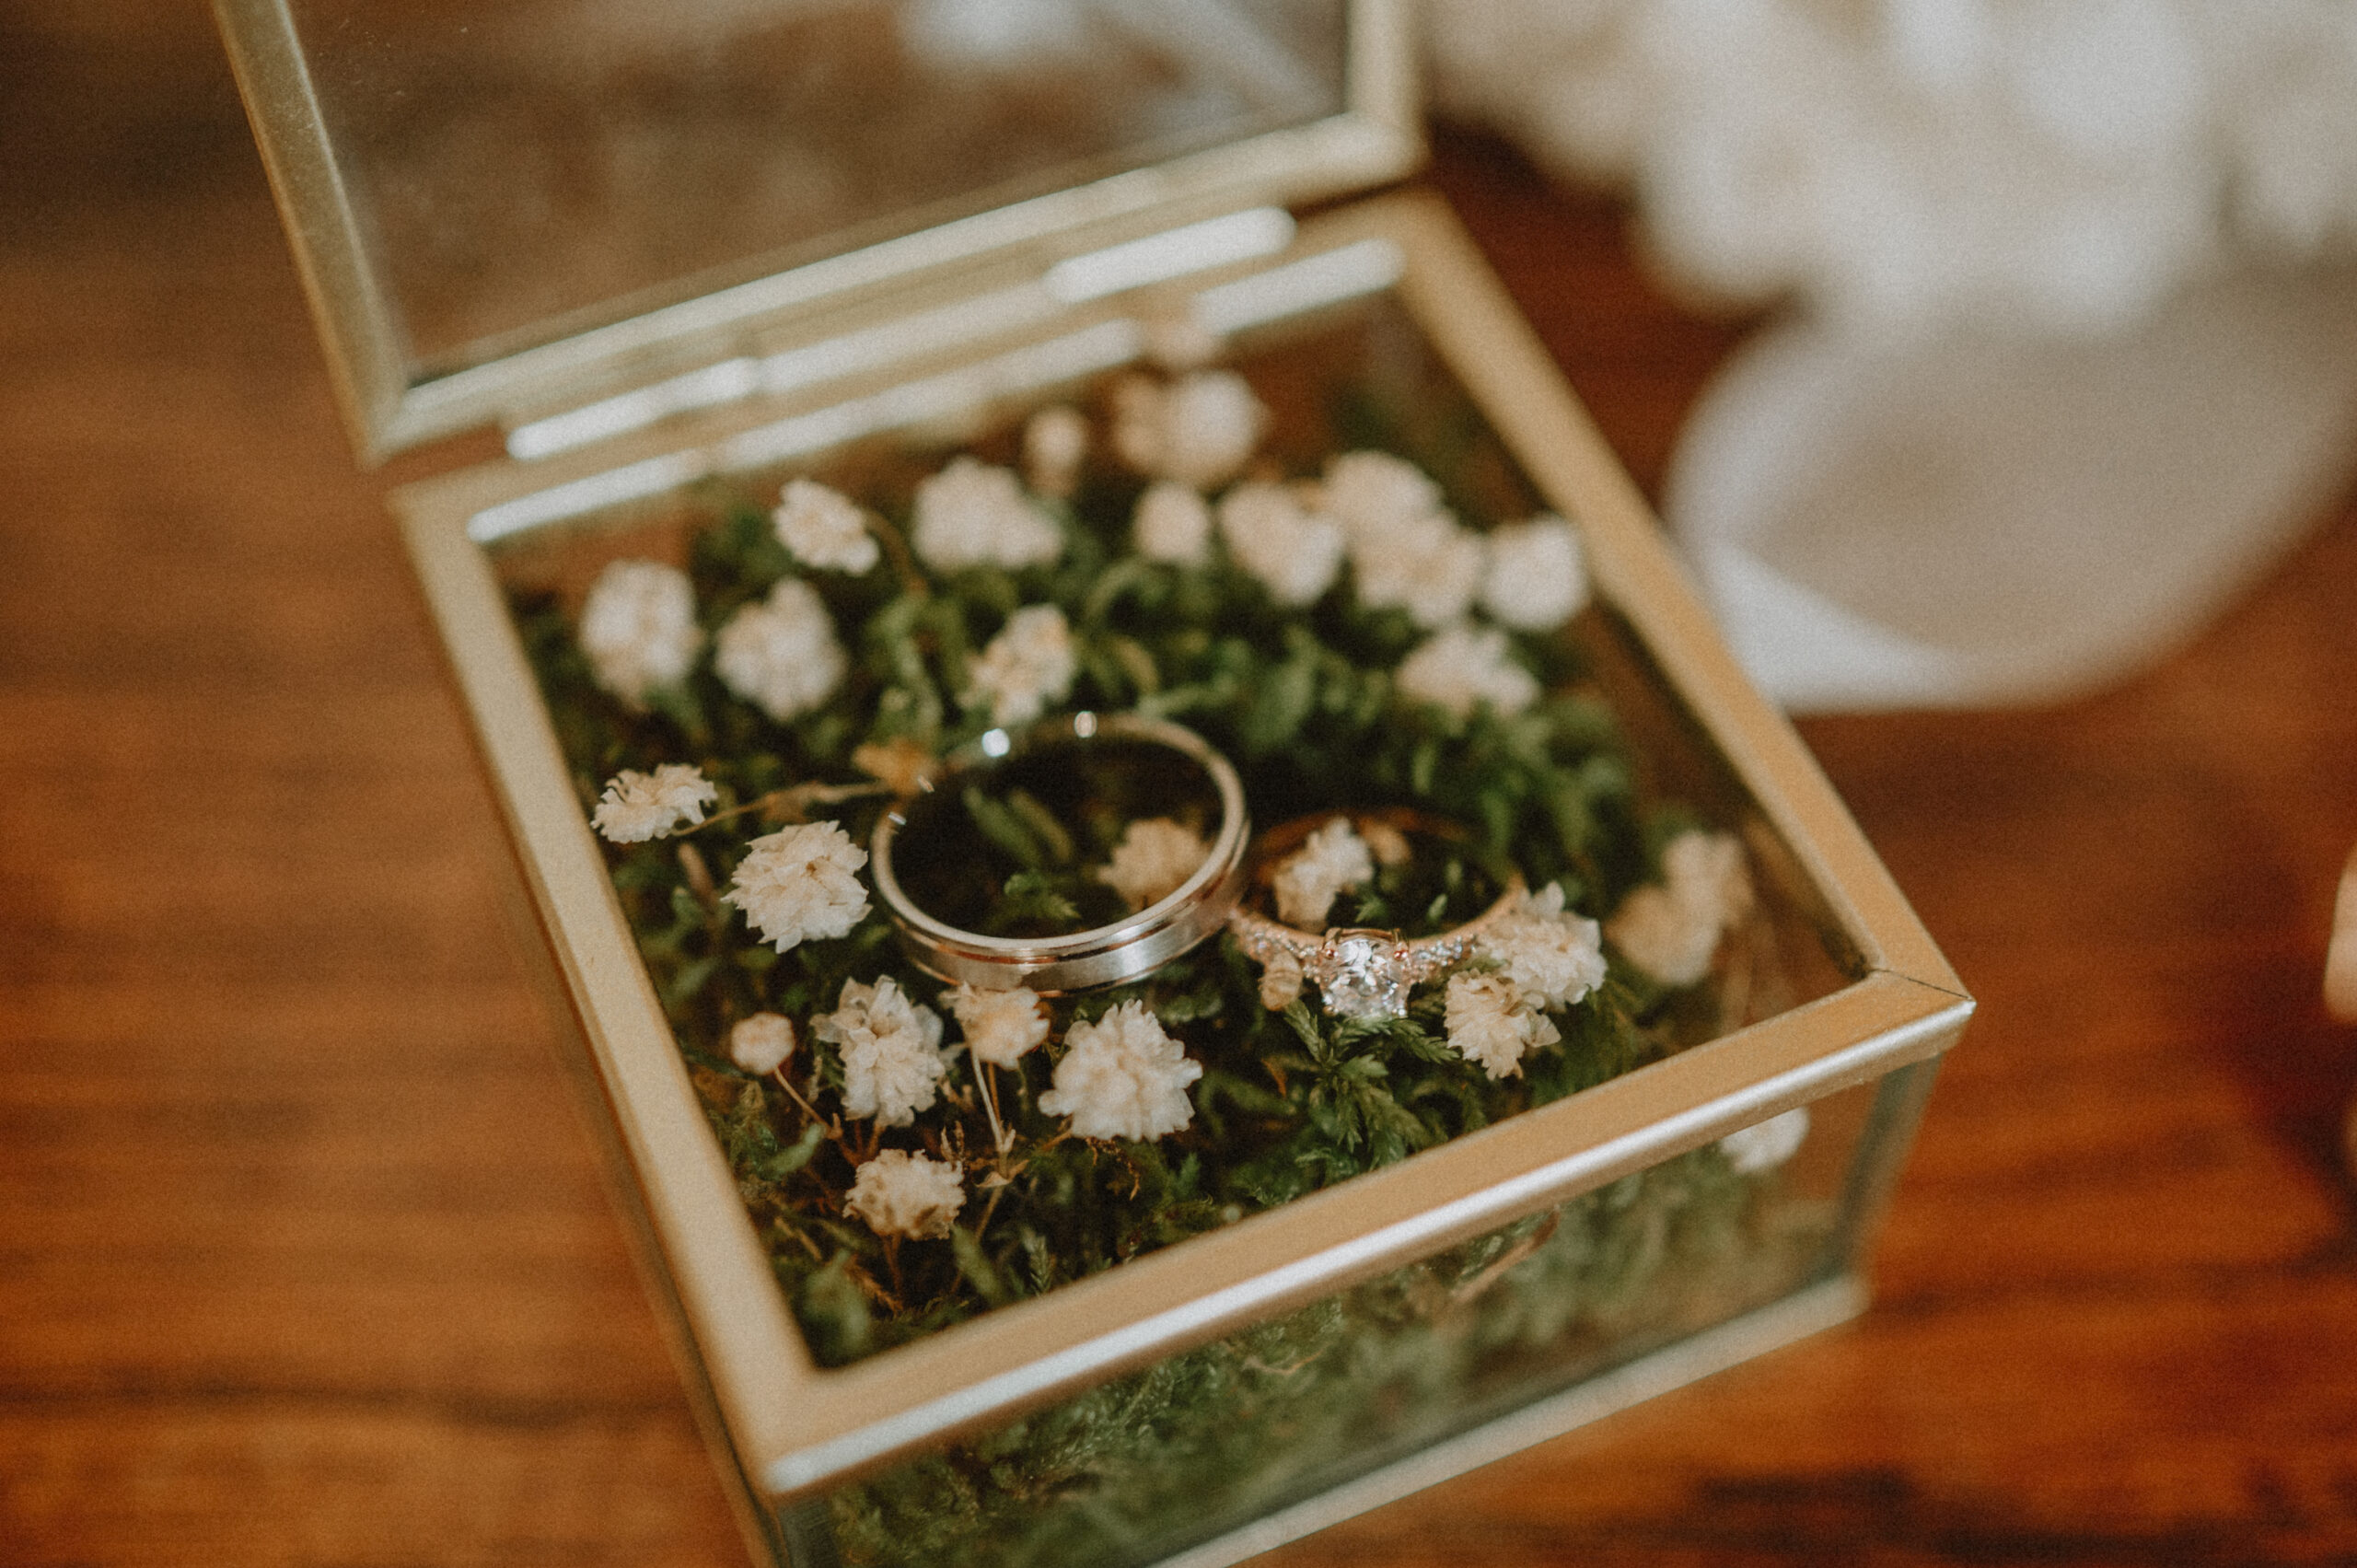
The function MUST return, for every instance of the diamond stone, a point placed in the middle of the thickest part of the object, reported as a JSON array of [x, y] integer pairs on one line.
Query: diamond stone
[[1361, 975]]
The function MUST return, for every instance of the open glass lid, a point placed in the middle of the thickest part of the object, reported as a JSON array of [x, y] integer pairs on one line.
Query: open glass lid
[[503, 208]]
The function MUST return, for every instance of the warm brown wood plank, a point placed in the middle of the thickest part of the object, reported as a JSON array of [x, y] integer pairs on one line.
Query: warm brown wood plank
[[303, 1258]]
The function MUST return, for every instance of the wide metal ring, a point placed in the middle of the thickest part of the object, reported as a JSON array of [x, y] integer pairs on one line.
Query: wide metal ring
[[1125, 950], [1361, 972]]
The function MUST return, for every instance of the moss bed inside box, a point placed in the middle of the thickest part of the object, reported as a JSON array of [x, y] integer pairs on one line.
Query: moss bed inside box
[[1305, 700]]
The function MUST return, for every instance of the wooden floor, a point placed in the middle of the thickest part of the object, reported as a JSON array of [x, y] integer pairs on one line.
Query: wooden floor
[[303, 1255]]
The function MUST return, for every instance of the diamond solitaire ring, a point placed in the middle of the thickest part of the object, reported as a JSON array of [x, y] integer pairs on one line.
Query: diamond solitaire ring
[[929, 850], [1364, 973]]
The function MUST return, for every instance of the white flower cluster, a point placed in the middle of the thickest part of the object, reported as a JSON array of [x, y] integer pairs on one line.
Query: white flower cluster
[[1295, 552], [1406, 548], [1761, 1147], [972, 514], [1154, 856], [1537, 574], [638, 807], [1029, 665], [781, 654], [1545, 958], [1306, 883], [1123, 1076], [1054, 441], [2068, 162], [899, 1193], [893, 1064], [1490, 1022], [1001, 1027], [798, 883], [638, 628], [1671, 929], [823, 528], [762, 1044], [1173, 523], [1464, 667], [1199, 430]]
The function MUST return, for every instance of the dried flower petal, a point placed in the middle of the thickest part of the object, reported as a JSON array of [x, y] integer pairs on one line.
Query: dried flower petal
[[898, 764], [899, 1193], [638, 807], [1307, 881], [1490, 1020], [781, 654], [638, 628], [821, 526], [972, 514], [1029, 665], [1001, 1027], [798, 884], [1123, 1077], [891, 1050], [762, 1044], [1154, 856], [1463, 668]]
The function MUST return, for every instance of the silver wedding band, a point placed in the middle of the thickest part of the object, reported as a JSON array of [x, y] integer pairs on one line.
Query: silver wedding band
[[1125, 950]]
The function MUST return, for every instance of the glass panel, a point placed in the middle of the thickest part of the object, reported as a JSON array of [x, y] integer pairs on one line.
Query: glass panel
[[524, 172]]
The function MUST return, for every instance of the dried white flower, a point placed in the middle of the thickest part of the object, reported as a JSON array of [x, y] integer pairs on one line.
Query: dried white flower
[[1373, 492], [1029, 665], [638, 807], [1759, 1148], [1462, 667], [1295, 554], [1123, 1077], [1154, 856], [1492, 1022], [1173, 523], [1538, 575], [1307, 881], [1550, 956], [762, 1044], [1427, 566], [638, 628], [1001, 1027], [899, 1193], [781, 654], [798, 884], [971, 514], [1199, 430], [1281, 980], [1054, 442], [1390, 844], [891, 1049], [823, 528], [1671, 929]]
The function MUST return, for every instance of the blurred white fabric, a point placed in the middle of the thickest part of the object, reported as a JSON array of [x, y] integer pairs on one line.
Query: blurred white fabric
[[2067, 358]]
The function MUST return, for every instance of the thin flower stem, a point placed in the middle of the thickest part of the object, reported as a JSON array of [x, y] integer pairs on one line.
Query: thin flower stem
[[792, 804], [834, 1129], [903, 561], [988, 1075]]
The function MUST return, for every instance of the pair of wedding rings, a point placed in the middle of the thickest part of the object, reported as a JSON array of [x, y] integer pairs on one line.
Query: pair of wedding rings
[[1360, 972]]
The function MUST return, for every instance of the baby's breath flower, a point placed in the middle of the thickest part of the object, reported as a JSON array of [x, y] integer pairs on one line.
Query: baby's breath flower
[[1054, 442], [1029, 665], [1281, 980], [1426, 565], [1671, 929], [1761, 1147], [1199, 430], [1155, 855], [823, 528], [1123, 1077], [638, 807], [1538, 575], [1492, 1021], [971, 514], [781, 654], [1462, 667], [892, 1052], [1373, 492], [638, 628], [798, 884], [762, 1044], [1173, 523], [1307, 881], [1552, 958], [899, 1193], [1002, 1027], [1295, 554]]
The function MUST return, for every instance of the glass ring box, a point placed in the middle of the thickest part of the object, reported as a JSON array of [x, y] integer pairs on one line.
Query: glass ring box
[[1177, 921]]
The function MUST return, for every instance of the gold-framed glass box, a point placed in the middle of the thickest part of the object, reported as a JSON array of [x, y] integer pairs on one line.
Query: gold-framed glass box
[[683, 255]]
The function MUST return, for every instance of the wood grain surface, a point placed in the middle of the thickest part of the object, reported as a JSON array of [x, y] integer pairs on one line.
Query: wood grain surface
[[303, 1255]]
